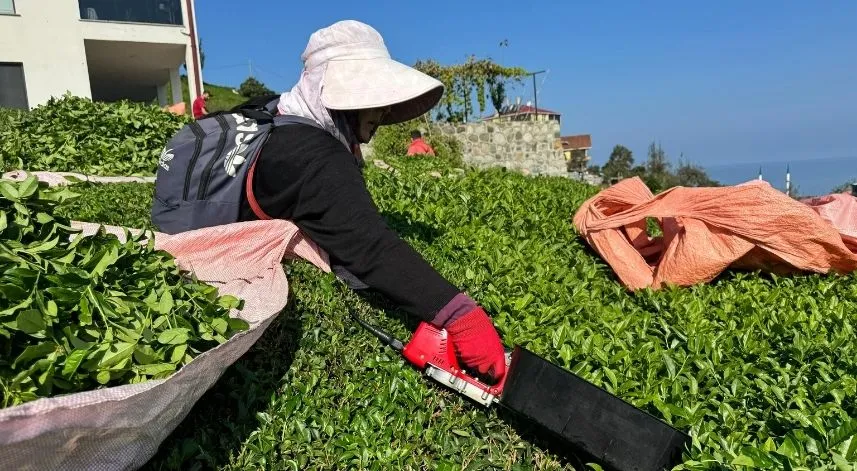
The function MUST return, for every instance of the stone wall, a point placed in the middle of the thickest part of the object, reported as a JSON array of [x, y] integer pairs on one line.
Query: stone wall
[[525, 146]]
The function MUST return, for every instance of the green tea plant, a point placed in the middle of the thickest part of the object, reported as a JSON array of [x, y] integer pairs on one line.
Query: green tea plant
[[10, 117], [73, 134], [122, 204], [760, 369], [393, 141], [81, 312]]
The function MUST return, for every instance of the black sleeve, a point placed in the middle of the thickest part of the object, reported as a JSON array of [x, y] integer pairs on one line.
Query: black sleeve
[[307, 176]]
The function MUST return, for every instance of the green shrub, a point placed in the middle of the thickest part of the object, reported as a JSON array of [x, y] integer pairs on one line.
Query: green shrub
[[392, 142], [75, 134], [252, 88]]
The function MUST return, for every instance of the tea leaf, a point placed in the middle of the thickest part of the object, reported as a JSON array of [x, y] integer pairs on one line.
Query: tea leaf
[[73, 361], [30, 321], [34, 351], [173, 336], [843, 432]]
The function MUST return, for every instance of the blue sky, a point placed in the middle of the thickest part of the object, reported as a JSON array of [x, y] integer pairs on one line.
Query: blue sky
[[720, 82]]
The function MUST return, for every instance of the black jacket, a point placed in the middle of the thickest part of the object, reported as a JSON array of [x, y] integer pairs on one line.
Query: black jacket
[[306, 175]]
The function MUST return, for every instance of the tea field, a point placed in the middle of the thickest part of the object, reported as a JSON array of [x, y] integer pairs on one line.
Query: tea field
[[761, 370]]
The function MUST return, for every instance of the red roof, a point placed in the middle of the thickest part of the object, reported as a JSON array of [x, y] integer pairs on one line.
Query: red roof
[[581, 141], [527, 109]]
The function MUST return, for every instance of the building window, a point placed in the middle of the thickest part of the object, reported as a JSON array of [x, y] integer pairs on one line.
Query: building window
[[162, 12], [7, 7], [13, 89]]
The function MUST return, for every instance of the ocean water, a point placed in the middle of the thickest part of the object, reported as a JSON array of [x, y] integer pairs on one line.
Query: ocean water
[[808, 177]]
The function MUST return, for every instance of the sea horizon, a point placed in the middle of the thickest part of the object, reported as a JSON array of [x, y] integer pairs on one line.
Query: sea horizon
[[809, 177]]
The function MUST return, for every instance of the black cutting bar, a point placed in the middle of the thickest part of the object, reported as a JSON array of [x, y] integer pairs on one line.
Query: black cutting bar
[[613, 432]]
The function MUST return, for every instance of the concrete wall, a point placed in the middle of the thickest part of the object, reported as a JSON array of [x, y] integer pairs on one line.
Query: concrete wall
[[131, 32], [47, 40], [50, 40], [525, 146]]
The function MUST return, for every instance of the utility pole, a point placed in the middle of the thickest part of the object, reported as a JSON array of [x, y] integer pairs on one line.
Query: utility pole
[[250, 66], [535, 94]]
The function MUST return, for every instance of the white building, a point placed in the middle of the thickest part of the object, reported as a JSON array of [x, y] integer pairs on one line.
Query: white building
[[101, 49]]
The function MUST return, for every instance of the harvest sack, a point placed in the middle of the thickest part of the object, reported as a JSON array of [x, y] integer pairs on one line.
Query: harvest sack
[[840, 210], [706, 230], [70, 178], [121, 427]]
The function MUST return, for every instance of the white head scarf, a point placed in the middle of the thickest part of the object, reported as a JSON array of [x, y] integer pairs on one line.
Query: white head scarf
[[347, 67], [304, 100]]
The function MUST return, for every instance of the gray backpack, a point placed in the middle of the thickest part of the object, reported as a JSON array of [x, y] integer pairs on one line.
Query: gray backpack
[[206, 166]]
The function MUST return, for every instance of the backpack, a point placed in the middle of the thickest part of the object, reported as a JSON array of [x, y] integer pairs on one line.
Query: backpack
[[207, 164]]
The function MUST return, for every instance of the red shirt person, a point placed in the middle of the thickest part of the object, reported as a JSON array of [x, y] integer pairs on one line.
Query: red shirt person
[[199, 105], [418, 145]]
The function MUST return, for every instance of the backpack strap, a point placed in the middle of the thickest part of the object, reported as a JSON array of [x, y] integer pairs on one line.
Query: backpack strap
[[251, 197], [283, 120], [262, 103]]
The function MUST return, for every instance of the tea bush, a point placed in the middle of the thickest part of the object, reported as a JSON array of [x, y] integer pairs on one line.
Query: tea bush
[[761, 370], [393, 141]]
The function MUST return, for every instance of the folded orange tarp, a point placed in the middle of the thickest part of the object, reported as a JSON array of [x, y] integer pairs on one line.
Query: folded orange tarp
[[705, 231]]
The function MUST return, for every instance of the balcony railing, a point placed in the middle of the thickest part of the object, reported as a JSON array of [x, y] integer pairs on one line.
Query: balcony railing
[[160, 12]]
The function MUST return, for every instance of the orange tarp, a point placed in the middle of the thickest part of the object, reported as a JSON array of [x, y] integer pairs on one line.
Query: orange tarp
[[707, 230], [840, 210]]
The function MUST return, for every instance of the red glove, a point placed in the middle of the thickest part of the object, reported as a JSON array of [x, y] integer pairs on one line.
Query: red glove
[[477, 344]]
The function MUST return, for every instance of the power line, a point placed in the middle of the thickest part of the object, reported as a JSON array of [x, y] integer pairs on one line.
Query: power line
[[544, 79], [220, 67], [267, 72]]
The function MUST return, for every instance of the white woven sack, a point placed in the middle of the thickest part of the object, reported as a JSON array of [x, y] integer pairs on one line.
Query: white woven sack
[[122, 427]]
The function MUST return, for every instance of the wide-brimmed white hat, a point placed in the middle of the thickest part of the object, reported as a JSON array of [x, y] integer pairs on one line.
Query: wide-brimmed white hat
[[360, 74]]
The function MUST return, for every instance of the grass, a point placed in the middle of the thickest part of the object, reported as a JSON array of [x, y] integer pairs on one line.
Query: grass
[[752, 365]]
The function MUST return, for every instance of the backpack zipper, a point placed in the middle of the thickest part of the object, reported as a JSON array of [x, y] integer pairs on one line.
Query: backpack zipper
[[200, 134], [206, 174]]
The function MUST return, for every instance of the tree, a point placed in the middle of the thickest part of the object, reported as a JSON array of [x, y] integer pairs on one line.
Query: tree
[[658, 176], [252, 88], [484, 77], [657, 163], [638, 171], [691, 175], [497, 90], [619, 163]]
